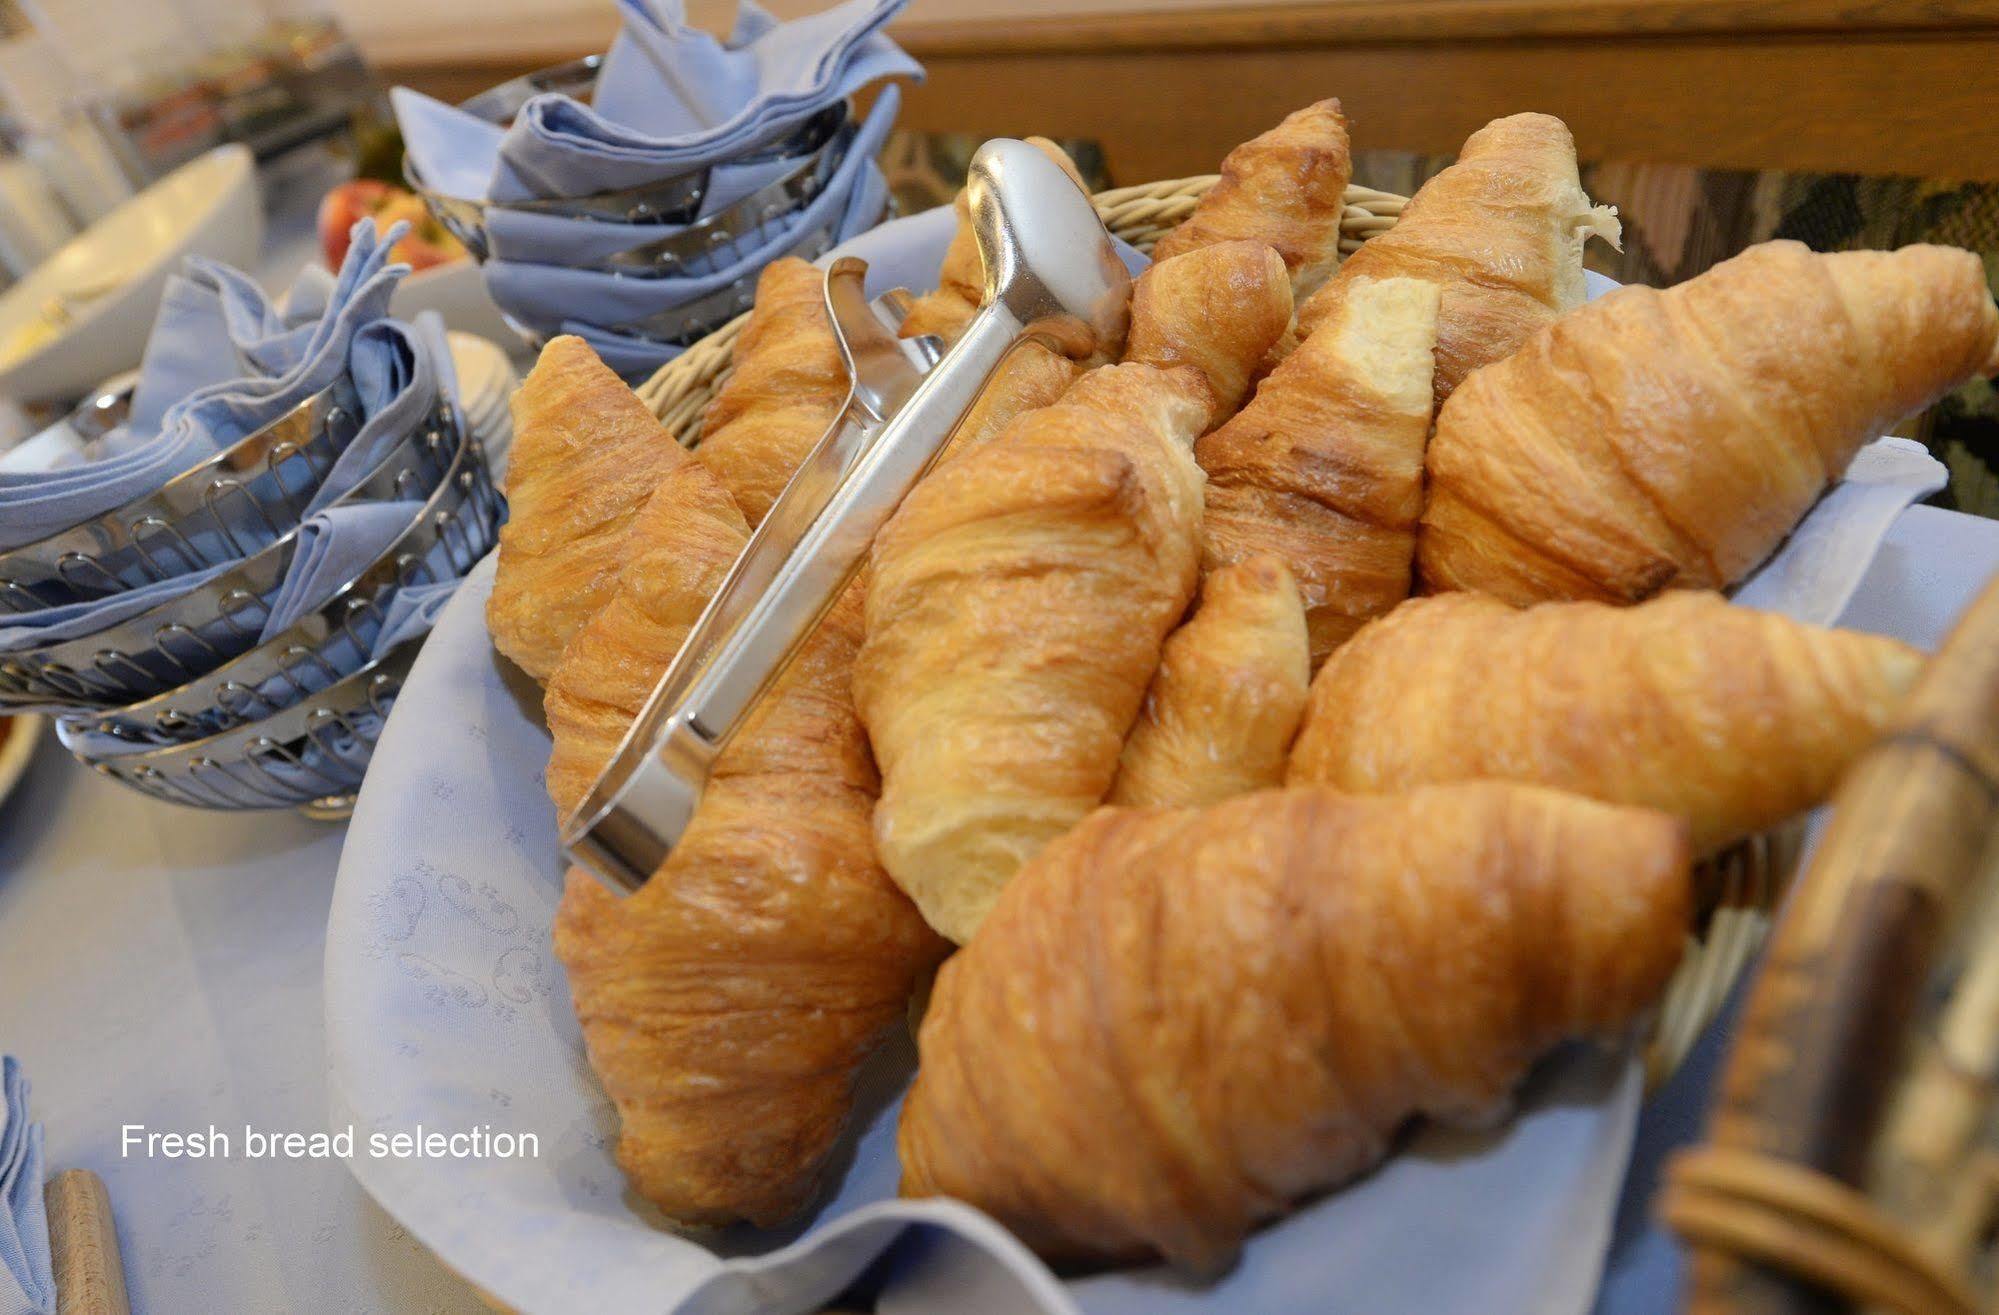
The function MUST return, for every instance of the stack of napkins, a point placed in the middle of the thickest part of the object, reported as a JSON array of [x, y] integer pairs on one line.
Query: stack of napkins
[[224, 361], [27, 1280], [671, 102]]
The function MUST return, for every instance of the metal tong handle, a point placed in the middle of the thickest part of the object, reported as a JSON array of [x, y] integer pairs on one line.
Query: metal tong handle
[[1046, 278], [807, 549]]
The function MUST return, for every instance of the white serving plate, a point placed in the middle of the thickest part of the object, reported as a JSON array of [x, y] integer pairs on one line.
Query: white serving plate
[[445, 1008], [207, 207]]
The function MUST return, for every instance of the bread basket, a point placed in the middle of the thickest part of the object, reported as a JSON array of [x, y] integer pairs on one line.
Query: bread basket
[[1740, 888]]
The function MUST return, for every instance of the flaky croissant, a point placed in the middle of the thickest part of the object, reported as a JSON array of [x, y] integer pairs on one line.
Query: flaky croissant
[[1176, 1023], [1731, 718], [1226, 701], [787, 387], [1324, 467], [1219, 308], [685, 539], [1501, 232], [586, 456], [727, 1005], [1659, 439], [961, 278], [1285, 188], [1018, 600]]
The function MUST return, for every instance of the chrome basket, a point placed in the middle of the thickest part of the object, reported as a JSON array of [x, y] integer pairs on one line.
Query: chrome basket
[[816, 146], [232, 505], [310, 756], [181, 638], [457, 526]]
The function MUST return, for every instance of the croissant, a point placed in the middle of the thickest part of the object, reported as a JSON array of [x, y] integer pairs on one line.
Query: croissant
[[1324, 467], [1218, 308], [1018, 601], [1660, 439], [685, 539], [788, 386], [1227, 698], [1175, 1023], [727, 1005], [1501, 231], [586, 456], [1730, 718], [1285, 189], [961, 278], [1030, 377]]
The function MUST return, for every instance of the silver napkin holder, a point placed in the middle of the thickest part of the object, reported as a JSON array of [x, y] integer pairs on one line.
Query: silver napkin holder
[[1051, 274]]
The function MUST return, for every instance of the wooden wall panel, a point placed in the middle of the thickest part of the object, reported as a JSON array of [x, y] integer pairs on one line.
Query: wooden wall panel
[[1874, 86]]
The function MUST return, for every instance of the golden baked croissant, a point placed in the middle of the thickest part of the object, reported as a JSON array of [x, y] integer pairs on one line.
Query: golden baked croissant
[[684, 541], [1030, 377], [586, 456], [1731, 718], [727, 1005], [1218, 308], [961, 278], [1176, 1023], [1018, 600], [1286, 189], [1324, 467], [1659, 439], [1501, 231], [789, 384], [1226, 701]]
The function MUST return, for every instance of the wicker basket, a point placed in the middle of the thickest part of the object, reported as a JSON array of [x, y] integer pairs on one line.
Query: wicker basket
[[1739, 889]]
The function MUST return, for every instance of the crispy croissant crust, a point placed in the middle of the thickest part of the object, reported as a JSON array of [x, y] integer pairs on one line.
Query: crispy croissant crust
[[1324, 467], [961, 278], [1286, 189], [1501, 231], [727, 1005], [1030, 377], [1218, 308], [1731, 718], [788, 385], [1177, 1022], [685, 539], [1018, 601], [587, 454], [1656, 439], [1228, 696]]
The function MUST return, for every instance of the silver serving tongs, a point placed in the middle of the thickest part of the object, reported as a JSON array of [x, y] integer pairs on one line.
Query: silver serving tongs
[[1051, 273]]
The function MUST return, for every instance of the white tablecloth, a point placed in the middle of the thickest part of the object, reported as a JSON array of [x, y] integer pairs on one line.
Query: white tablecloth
[[162, 966]]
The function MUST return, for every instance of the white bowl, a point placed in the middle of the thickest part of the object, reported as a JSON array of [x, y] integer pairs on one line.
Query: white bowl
[[208, 207]]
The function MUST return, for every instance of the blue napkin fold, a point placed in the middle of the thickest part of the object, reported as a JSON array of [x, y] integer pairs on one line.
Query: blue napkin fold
[[221, 363], [545, 296], [27, 1278], [671, 99]]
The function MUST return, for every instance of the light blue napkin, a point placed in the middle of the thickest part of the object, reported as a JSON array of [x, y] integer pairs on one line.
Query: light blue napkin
[[544, 296], [222, 362], [27, 1278], [334, 546], [530, 235], [671, 99]]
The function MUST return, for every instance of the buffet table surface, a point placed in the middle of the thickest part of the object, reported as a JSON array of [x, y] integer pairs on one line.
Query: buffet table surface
[[161, 966]]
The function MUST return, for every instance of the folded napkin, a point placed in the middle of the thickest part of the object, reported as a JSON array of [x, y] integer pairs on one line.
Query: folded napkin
[[671, 99], [545, 296], [221, 363], [27, 1280]]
